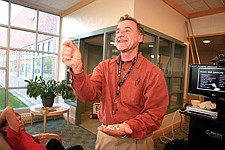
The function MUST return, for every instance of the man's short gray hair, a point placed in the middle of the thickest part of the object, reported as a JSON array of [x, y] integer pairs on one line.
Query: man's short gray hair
[[127, 17]]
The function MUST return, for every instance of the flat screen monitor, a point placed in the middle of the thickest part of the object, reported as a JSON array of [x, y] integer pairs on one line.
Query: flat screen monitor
[[207, 80]]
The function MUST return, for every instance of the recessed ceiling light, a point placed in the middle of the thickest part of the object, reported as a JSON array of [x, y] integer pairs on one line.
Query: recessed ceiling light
[[206, 41]]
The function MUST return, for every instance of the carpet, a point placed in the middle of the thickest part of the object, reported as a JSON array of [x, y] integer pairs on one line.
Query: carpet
[[70, 134]]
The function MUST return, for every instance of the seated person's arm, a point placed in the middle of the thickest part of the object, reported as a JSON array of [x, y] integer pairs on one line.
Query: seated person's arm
[[43, 137], [9, 115]]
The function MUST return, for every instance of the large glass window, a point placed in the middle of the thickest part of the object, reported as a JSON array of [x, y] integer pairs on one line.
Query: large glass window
[[23, 17], [30, 49], [2, 57], [2, 78], [2, 101], [21, 39], [4, 15], [44, 26], [47, 43], [3, 37]]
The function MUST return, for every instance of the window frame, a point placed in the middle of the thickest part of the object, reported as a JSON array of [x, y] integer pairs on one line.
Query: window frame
[[29, 51]]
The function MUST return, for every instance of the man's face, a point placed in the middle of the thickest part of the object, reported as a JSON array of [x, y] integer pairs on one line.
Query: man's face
[[127, 36], [21, 122]]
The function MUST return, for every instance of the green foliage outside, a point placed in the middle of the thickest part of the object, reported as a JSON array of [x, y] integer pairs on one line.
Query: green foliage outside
[[13, 101]]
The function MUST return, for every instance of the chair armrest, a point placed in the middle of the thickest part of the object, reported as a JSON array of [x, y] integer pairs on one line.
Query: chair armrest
[[4, 145]]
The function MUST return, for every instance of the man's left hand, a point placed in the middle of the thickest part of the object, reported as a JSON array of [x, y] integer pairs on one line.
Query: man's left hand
[[118, 130]]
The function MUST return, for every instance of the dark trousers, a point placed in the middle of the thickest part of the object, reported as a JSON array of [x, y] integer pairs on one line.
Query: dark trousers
[[54, 144]]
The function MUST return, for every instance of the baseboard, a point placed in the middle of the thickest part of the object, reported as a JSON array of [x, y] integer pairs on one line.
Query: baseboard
[[37, 118]]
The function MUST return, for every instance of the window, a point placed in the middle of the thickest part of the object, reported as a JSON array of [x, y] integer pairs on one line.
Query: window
[[30, 49]]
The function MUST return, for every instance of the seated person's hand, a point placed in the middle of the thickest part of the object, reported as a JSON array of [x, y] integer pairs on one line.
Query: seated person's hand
[[43, 137], [118, 130]]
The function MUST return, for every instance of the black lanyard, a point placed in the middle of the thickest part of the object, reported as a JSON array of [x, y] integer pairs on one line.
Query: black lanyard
[[120, 83]]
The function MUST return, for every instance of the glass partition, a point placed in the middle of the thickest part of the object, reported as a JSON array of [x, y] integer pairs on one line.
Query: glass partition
[[113, 52], [148, 47], [164, 56]]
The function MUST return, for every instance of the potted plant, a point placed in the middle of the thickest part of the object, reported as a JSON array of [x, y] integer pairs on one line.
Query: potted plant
[[48, 90]]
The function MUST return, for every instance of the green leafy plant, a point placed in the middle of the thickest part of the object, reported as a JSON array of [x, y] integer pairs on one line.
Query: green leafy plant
[[48, 88]]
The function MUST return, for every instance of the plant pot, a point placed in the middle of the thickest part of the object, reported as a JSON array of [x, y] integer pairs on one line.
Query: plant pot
[[48, 102]]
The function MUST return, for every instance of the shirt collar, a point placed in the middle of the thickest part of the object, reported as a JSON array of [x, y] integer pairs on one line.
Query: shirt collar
[[137, 64]]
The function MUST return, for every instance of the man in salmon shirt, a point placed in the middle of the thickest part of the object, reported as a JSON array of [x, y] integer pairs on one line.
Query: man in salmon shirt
[[132, 90], [12, 123]]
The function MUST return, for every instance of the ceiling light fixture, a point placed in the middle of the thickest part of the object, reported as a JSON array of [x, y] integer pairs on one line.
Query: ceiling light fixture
[[206, 41]]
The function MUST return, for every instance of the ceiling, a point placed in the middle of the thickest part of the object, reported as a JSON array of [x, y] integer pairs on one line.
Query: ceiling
[[197, 8], [53, 6], [188, 8], [193, 6]]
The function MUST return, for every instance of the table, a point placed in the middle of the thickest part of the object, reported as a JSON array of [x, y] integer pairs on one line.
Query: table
[[57, 109], [206, 133]]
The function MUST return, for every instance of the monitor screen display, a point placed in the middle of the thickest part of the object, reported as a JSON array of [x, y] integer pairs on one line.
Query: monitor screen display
[[207, 80]]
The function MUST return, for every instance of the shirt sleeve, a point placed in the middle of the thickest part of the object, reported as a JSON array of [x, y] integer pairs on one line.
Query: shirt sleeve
[[87, 87]]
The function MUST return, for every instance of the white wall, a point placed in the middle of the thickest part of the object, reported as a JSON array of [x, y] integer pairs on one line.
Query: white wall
[[97, 15], [104, 13], [159, 16], [209, 25]]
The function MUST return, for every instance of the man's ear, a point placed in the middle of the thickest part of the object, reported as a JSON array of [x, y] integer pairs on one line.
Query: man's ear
[[4, 129], [141, 38]]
